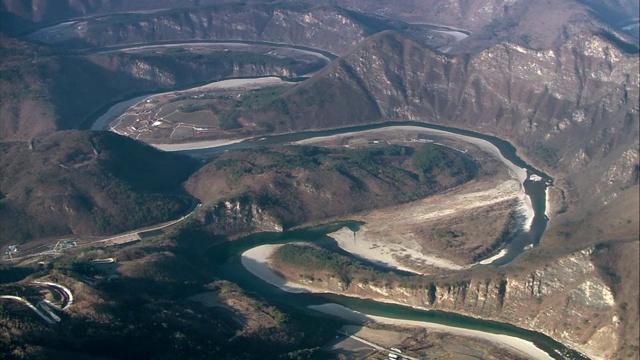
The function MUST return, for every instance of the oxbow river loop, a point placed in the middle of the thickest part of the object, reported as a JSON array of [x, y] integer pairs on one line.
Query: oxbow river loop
[[499, 148], [227, 255]]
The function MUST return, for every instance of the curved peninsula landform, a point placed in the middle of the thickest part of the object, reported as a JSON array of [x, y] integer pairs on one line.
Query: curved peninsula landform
[[331, 180], [388, 236], [509, 192]]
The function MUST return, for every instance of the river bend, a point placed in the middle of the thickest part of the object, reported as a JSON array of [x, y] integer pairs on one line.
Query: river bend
[[228, 255]]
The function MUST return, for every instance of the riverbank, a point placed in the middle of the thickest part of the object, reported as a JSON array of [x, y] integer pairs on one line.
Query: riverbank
[[517, 172], [245, 84], [236, 46], [117, 110], [361, 245], [412, 134], [523, 347], [434, 207], [525, 209], [397, 243], [195, 145], [257, 260]]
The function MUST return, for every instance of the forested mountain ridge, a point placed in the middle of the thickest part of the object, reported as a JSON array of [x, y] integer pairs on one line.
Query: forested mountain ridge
[[558, 80], [88, 184]]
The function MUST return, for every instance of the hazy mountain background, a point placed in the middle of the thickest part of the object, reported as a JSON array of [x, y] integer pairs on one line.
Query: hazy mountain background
[[559, 80]]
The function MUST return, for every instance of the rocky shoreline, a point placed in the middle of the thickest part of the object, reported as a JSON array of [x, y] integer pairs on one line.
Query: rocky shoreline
[[256, 261]]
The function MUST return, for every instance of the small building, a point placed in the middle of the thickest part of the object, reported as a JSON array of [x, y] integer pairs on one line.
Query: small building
[[12, 249], [424, 138], [68, 244]]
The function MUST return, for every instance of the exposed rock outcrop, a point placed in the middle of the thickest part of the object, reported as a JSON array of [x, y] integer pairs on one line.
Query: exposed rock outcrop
[[329, 28], [565, 299], [234, 217], [573, 107]]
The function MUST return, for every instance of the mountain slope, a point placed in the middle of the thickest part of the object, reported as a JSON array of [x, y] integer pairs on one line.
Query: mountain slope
[[570, 106], [503, 20], [572, 110], [276, 189], [19, 15], [87, 183], [323, 27], [43, 90]]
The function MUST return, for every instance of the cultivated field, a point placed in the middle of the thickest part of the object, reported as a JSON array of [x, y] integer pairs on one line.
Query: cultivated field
[[196, 113]]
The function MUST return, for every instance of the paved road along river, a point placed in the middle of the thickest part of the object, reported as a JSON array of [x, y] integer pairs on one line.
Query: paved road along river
[[231, 268]]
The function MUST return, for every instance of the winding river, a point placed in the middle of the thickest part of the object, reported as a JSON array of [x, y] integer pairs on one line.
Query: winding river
[[501, 149], [228, 254], [230, 267]]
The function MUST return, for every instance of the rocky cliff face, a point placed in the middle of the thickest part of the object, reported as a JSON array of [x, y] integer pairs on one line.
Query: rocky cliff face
[[572, 108], [567, 107], [508, 89], [237, 217], [565, 299], [328, 28]]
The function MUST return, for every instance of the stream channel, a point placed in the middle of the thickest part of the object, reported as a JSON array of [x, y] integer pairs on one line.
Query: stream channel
[[536, 190], [227, 255]]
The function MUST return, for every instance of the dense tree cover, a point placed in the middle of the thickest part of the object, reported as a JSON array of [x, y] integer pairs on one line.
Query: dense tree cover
[[431, 158], [546, 154], [89, 183], [315, 258], [370, 160], [145, 313], [296, 183], [309, 259]]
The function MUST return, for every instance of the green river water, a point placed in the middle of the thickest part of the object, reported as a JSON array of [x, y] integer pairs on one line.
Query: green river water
[[227, 255]]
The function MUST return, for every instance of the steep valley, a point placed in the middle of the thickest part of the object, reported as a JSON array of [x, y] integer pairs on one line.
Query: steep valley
[[35, 106], [567, 297], [561, 118], [559, 81]]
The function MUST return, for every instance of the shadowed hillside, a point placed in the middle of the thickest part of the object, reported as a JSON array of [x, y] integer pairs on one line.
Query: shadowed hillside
[[88, 183], [557, 79]]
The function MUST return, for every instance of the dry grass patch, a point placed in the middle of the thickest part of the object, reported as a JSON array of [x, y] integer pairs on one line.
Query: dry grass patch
[[471, 235]]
